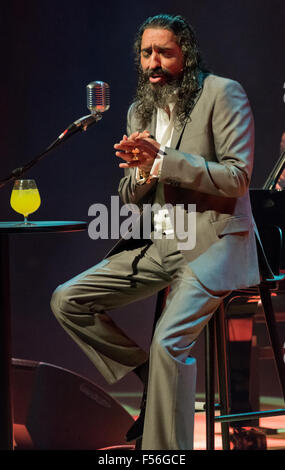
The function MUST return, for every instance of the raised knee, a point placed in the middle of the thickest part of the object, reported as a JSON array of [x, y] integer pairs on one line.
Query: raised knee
[[60, 300]]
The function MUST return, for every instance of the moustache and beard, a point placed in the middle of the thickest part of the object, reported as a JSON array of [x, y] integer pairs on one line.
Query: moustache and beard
[[155, 95]]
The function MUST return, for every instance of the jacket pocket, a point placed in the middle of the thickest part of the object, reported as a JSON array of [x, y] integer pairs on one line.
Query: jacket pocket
[[232, 225]]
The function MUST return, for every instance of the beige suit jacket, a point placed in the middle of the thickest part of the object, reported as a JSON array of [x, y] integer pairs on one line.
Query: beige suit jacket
[[209, 164]]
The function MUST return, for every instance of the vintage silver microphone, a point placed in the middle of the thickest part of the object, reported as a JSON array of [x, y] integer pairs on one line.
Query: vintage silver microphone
[[98, 97], [98, 101]]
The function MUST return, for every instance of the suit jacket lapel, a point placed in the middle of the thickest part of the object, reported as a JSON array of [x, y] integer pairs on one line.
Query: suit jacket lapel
[[176, 136], [178, 131]]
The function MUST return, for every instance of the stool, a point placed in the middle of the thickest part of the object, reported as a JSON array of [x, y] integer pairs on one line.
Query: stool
[[216, 341]]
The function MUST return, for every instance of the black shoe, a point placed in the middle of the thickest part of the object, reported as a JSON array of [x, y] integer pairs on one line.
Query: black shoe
[[136, 430]]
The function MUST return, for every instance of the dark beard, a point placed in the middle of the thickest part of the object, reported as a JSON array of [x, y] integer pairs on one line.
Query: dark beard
[[150, 96]]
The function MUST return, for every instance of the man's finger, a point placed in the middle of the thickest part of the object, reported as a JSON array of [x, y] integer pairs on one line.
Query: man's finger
[[125, 156], [130, 164]]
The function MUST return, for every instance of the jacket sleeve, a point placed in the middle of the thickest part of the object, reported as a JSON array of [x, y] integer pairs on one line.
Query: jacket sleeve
[[232, 128]]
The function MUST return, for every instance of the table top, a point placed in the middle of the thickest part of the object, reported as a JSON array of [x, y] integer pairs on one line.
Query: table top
[[42, 226]]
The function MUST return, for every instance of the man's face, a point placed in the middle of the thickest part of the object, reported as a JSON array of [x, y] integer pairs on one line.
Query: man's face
[[161, 56]]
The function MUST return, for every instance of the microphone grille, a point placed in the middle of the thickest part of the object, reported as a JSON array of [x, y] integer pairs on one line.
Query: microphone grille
[[98, 97]]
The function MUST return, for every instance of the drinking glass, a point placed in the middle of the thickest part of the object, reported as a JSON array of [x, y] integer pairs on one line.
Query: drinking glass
[[25, 198]]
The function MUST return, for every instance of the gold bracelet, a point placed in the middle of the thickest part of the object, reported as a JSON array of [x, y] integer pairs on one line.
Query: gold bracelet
[[142, 173]]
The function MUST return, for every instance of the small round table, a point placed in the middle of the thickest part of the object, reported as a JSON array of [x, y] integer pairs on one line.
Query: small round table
[[7, 228]]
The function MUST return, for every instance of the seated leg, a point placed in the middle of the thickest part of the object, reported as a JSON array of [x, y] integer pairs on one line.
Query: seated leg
[[169, 419], [80, 306]]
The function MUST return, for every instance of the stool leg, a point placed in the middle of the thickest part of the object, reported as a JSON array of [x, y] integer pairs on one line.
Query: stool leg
[[210, 383], [273, 333], [223, 373]]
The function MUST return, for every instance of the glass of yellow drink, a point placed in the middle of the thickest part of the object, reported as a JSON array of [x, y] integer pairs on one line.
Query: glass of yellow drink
[[25, 198]]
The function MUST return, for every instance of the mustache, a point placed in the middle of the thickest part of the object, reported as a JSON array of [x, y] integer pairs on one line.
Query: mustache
[[157, 71]]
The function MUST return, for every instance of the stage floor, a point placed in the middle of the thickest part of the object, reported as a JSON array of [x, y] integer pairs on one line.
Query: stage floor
[[273, 427]]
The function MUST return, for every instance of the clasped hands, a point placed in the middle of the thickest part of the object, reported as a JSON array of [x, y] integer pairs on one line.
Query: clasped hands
[[138, 150]]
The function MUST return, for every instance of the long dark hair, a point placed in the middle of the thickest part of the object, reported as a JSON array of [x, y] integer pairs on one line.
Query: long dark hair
[[188, 86]]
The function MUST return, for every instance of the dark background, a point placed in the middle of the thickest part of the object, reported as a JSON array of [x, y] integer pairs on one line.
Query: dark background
[[50, 51]]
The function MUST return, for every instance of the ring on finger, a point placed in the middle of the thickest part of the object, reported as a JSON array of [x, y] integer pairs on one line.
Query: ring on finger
[[135, 153]]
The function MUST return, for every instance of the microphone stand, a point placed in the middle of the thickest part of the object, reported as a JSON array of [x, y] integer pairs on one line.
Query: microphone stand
[[6, 408], [81, 124]]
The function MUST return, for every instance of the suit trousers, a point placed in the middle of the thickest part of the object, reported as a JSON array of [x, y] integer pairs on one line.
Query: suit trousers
[[80, 306]]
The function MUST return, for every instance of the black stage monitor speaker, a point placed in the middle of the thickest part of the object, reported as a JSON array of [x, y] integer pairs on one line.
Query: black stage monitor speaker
[[56, 409]]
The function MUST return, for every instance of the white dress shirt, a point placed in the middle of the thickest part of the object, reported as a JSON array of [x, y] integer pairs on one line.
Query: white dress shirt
[[163, 135]]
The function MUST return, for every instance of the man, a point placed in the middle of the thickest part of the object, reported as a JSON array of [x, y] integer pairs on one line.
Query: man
[[189, 141]]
